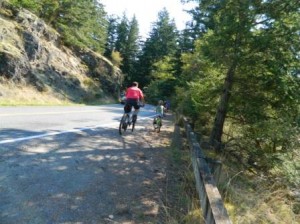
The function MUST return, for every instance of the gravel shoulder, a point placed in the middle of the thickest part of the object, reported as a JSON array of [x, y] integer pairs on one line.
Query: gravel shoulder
[[96, 176]]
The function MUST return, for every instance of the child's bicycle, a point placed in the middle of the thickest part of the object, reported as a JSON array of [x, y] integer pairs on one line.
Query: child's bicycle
[[157, 123]]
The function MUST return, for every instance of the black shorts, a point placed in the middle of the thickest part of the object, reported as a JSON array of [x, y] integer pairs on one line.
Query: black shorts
[[131, 103]]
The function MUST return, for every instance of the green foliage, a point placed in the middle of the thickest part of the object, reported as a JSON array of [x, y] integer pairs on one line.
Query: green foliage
[[164, 81], [111, 36], [164, 69], [85, 21], [201, 80], [123, 36], [184, 103], [116, 58], [130, 50], [32, 5], [288, 168], [159, 90], [259, 46]]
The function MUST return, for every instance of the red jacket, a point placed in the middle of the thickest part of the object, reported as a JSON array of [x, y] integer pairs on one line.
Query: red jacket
[[134, 93]]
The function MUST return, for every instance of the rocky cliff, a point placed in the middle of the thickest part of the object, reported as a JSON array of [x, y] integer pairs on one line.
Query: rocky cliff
[[32, 54]]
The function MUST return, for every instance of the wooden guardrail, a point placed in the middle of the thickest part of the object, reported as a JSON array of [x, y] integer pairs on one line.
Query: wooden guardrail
[[211, 202]]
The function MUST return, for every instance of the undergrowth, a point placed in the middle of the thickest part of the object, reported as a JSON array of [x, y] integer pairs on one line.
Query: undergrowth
[[250, 196], [182, 204], [12, 94], [256, 197]]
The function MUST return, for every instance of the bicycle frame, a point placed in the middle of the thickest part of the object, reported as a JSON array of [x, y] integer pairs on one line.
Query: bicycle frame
[[157, 123]]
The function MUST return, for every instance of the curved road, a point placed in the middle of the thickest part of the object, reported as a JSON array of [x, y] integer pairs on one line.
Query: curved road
[[24, 123], [70, 165]]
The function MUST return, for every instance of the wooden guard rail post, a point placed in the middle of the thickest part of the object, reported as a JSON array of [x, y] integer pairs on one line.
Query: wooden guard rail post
[[211, 202]]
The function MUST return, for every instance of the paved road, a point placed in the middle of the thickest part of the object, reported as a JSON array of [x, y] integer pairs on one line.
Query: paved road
[[19, 123], [70, 165]]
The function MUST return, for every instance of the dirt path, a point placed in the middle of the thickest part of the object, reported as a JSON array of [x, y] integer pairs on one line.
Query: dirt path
[[146, 199]]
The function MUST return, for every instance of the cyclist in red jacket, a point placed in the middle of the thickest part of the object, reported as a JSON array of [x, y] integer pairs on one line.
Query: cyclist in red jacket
[[134, 96]]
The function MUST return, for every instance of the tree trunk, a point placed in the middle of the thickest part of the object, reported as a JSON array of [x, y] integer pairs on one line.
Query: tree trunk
[[217, 131]]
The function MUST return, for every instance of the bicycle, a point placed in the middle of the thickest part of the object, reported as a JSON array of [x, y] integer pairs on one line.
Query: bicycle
[[127, 119], [157, 123]]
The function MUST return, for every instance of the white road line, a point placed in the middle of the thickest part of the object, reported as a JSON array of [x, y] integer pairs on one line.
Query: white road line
[[61, 132], [47, 113]]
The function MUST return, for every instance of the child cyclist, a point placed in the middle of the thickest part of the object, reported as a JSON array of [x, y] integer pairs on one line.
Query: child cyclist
[[157, 122], [160, 108]]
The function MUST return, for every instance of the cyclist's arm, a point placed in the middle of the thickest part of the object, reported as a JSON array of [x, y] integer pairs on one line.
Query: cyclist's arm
[[142, 98]]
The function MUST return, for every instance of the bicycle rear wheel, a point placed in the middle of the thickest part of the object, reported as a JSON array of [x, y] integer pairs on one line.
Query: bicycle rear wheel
[[123, 124], [158, 123]]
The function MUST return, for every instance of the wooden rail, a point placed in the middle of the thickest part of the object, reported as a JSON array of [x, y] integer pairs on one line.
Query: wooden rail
[[211, 202]]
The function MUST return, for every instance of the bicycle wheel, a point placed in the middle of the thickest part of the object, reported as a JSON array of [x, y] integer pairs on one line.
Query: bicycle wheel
[[123, 124], [134, 117], [158, 123], [154, 123]]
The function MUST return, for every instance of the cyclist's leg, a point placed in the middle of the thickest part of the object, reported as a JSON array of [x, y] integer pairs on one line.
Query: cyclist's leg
[[134, 115], [136, 110]]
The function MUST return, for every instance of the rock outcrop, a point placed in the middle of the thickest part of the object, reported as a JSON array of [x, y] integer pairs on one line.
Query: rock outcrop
[[32, 53]]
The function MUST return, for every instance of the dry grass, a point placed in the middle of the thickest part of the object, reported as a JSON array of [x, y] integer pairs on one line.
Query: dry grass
[[253, 199], [12, 94], [182, 202]]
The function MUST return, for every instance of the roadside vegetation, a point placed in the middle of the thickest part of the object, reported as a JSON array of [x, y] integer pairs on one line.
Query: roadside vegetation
[[17, 94], [234, 72]]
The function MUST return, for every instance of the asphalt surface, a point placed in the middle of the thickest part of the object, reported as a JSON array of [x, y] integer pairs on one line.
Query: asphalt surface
[[70, 165]]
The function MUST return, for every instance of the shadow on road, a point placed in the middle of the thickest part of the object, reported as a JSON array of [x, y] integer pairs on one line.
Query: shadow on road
[[92, 176]]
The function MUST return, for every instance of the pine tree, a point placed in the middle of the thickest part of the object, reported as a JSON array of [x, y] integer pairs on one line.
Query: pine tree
[[111, 36], [122, 35], [162, 42], [131, 50], [252, 46]]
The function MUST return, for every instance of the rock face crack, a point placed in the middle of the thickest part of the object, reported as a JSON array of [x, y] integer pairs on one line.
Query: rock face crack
[[31, 45]]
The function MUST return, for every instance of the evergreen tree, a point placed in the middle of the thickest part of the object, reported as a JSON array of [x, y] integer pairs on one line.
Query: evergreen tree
[[162, 41], [131, 50], [83, 24], [253, 47], [111, 36], [127, 43], [122, 34]]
